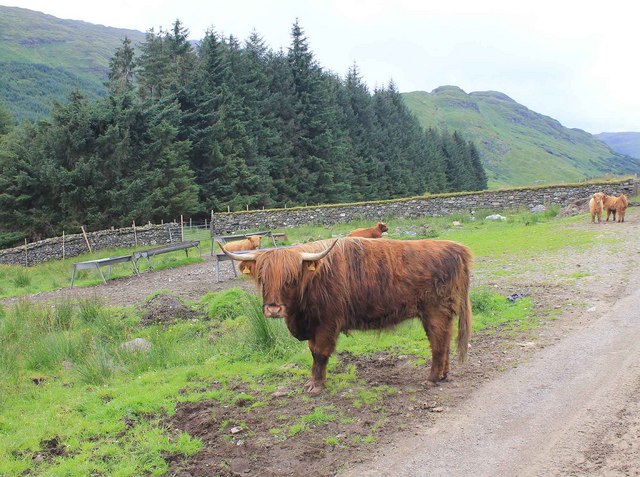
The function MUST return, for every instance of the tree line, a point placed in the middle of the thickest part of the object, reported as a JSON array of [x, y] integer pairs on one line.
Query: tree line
[[186, 129]]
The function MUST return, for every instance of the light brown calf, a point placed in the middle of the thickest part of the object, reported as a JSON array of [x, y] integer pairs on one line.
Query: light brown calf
[[596, 206]]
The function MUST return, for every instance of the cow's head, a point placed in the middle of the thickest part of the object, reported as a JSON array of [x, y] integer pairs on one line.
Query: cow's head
[[255, 241], [280, 273], [599, 197], [382, 227]]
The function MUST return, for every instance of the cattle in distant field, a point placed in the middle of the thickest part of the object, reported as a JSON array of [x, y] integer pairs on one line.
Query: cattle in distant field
[[615, 205], [252, 242], [596, 206], [370, 232], [327, 287]]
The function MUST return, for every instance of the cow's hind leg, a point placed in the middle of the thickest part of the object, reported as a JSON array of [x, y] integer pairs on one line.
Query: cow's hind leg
[[438, 323], [321, 347]]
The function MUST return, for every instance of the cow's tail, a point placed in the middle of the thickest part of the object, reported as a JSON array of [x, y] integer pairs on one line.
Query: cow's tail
[[464, 313]]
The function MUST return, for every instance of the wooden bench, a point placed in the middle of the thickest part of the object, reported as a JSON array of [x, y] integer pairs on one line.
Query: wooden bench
[[96, 264], [220, 256], [172, 247]]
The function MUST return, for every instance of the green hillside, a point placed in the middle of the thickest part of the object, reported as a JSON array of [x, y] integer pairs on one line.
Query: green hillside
[[44, 58], [518, 146], [625, 142]]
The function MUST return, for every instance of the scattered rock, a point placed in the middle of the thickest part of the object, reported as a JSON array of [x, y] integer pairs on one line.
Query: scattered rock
[[137, 344], [538, 208], [281, 391], [455, 223], [527, 344], [236, 430], [240, 466], [495, 217], [516, 296]]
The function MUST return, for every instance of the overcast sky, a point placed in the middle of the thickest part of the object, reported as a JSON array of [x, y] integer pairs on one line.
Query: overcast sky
[[576, 61]]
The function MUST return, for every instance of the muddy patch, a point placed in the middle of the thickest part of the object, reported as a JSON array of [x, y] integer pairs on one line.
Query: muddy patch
[[290, 433], [164, 309]]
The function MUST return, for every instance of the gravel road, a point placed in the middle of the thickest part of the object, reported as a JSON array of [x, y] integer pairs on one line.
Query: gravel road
[[572, 409]]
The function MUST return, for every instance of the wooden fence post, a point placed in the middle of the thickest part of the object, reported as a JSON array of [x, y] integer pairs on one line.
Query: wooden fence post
[[86, 239], [135, 234], [26, 254], [181, 228], [63, 249]]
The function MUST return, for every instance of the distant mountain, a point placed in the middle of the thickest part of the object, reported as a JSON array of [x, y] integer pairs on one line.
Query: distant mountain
[[625, 142], [518, 146], [44, 58]]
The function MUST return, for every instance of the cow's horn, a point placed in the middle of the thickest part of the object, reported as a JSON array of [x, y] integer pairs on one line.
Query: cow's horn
[[241, 257], [312, 257]]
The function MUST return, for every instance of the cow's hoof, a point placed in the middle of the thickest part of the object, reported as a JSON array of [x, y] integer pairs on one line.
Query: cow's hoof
[[313, 389]]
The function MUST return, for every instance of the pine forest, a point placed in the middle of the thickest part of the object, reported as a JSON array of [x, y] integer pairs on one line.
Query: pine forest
[[219, 125]]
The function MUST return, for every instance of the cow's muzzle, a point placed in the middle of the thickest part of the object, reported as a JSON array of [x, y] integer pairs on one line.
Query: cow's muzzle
[[274, 310]]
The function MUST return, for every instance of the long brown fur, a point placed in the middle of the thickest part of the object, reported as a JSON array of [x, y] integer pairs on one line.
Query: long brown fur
[[368, 284], [596, 206], [252, 242], [615, 205], [370, 232]]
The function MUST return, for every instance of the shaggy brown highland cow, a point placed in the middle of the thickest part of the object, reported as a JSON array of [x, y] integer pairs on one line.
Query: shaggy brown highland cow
[[325, 288], [615, 205], [371, 232]]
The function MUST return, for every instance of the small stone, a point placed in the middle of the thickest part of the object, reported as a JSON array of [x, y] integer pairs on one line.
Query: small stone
[[137, 344], [236, 430]]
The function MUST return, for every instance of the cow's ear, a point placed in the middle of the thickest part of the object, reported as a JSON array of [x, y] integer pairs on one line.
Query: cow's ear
[[247, 267], [312, 264]]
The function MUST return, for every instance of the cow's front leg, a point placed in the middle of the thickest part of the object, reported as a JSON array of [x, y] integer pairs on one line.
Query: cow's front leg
[[321, 347]]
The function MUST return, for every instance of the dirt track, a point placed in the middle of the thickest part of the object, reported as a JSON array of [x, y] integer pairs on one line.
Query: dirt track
[[572, 409]]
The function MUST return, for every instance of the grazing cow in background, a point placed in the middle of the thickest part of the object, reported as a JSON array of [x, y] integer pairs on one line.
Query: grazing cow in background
[[252, 242], [371, 232], [595, 206], [615, 205], [324, 288]]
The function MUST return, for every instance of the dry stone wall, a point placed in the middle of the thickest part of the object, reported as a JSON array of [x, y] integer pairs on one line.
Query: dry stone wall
[[74, 245], [240, 222], [433, 206]]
